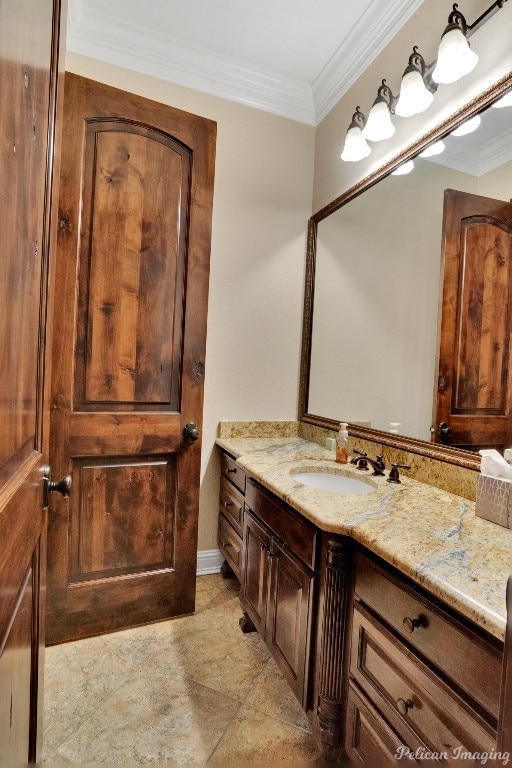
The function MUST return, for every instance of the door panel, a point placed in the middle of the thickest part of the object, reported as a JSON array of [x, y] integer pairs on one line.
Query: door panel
[[30, 34], [110, 534], [474, 378], [133, 256]]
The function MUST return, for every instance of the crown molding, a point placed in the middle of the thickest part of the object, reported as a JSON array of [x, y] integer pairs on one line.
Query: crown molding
[[97, 35], [374, 30], [477, 161]]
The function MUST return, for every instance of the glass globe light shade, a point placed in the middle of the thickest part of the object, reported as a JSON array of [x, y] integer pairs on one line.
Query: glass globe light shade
[[355, 145], [414, 96], [379, 125], [454, 58]]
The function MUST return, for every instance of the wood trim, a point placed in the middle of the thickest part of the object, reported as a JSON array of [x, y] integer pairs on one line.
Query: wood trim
[[430, 450], [335, 640]]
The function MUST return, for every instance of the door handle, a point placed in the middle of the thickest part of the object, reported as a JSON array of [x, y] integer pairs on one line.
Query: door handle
[[64, 486], [445, 433], [190, 432]]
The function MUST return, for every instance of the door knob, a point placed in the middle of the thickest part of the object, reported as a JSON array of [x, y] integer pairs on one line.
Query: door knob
[[445, 432], [191, 432], [64, 486]]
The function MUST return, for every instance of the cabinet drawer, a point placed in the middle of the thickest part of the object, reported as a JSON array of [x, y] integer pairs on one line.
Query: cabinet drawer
[[299, 536], [233, 473], [470, 662], [412, 699], [230, 544], [231, 504], [369, 739]]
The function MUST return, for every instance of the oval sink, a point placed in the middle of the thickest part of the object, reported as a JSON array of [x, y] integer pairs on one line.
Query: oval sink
[[328, 481]]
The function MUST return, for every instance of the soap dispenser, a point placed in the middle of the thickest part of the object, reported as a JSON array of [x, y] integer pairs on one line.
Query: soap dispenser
[[342, 444]]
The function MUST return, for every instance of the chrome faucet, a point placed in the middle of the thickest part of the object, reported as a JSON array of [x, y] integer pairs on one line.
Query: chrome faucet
[[378, 465]]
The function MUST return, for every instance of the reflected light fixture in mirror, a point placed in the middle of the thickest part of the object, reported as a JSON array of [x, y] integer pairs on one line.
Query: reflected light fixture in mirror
[[505, 101], [468, 127], [433, 149], [455, 59], [415, 97], [403, 169]]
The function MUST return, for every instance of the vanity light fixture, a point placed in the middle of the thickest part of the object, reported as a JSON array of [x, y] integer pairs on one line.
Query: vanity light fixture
[[419, 82], [454, 58], [415, 97], [467, 127], [403, 169], [434, 149], [355, 144], [379, 125]]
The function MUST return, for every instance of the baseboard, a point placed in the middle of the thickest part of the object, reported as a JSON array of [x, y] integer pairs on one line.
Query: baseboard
[[209, 561]]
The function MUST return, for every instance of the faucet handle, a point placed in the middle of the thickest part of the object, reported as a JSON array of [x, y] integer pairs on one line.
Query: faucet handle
[[394, 476], [379, 463], [359, 459]]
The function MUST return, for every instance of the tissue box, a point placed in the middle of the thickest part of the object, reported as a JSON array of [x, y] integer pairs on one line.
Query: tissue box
[[494, 500]]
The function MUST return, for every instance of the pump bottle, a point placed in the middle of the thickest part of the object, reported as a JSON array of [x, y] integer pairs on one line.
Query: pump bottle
[[342, 444]]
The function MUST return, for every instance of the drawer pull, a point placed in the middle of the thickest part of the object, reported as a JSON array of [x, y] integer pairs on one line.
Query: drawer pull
[[231, 471], [264, 548], [228, 504], [226, 544], [403, 706], [411, 624]]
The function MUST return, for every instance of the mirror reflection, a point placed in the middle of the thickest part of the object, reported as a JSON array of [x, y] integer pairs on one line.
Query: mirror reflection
[[379, 268]]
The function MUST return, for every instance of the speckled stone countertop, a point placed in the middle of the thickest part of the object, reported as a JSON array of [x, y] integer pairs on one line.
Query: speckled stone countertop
[[430, 535]]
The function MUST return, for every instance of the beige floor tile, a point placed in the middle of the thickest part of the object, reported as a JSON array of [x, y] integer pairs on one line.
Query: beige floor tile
[[154, 719], [173, 692], [272, 696], [255, 737]]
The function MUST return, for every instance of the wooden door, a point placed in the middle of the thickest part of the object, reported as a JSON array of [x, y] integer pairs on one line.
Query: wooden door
[[128, 368], [472, 404], [29, 73]]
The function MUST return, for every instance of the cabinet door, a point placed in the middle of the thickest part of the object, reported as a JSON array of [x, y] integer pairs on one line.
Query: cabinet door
[[255, 571], [288, 620]]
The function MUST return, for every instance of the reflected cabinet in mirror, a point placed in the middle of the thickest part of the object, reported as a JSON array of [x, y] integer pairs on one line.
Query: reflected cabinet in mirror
[[408, 311]]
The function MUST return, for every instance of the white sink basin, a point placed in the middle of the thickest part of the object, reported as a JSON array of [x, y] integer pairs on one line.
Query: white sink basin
[[329, 481]]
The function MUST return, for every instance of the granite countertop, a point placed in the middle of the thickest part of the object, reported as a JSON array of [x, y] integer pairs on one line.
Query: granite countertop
[[430, 535]]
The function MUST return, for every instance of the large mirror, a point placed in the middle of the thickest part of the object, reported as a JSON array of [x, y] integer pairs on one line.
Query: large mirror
[[374, 277]]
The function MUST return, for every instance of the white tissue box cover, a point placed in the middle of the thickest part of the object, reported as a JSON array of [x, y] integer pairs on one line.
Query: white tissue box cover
[[494, 500]]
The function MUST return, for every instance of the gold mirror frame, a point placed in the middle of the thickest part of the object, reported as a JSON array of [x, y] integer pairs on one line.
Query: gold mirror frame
[[437, 451]]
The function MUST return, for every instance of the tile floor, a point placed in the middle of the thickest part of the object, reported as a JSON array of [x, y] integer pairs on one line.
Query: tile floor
[[193, 690]]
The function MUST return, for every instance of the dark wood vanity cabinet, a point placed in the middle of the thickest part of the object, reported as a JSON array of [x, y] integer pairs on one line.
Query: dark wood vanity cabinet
[[384, 669], [279, 554], [420, 679], [230, 522]]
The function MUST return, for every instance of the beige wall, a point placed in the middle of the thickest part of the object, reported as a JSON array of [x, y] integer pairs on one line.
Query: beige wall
[[268, 171], [491, 42], [262, 200]]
